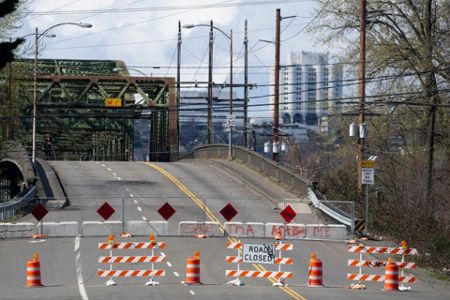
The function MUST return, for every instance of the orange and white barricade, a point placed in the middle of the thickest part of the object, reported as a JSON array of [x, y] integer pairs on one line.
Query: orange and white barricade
[[403, 250], [152, 272], [279, 275]]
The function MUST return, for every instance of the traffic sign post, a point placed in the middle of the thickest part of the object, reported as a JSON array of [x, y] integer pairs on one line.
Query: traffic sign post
[[39, 212], [367, 178], [258, 253], [228, 212], [166, 211], [106, 211]]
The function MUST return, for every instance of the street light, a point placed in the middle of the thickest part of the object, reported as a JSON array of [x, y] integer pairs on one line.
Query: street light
[[230, 38], [37, 35]]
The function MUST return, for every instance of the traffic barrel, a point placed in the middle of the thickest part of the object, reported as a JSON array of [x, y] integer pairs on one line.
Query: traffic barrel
[[391, 276], [315, 271], [34, 272], [193, 269]]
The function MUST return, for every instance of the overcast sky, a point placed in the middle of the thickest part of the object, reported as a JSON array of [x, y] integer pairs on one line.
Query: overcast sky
[[144, 34]]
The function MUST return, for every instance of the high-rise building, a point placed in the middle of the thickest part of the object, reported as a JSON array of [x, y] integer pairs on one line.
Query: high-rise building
[[309, 89]]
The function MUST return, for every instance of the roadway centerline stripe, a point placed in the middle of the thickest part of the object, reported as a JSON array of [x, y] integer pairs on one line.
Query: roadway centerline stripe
[[131, 195], [199, 202], [213, 218], [192, 292], [80, 281], [176, 274], [118, 178], [169, 264], [144, 218], [109, 169], [139, 208], [135, 201]]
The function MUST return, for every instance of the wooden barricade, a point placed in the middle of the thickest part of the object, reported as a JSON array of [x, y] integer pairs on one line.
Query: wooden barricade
[[152, 272], [360, 263], [279, 275]]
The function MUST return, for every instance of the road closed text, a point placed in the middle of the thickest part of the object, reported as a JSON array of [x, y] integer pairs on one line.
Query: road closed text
[[258, 253]]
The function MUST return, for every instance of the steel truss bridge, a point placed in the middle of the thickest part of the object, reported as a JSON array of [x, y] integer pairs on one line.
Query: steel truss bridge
[[71, 109]]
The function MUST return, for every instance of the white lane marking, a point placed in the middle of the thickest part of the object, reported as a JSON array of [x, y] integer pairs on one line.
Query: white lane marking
[[144, 218], [135, 201], [192, 292], [109, 169], [126, 189], [81, 288], [139, 208], [176, 274], [36, 241], [118, 178], [162, 253], [131, 195], [97, 162], [169, 264], [114, 174], [103, 165]]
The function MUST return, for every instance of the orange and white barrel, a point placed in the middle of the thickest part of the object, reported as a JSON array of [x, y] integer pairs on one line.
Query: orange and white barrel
[[391, 277], [34, 272], [193, 270], [315, 273]]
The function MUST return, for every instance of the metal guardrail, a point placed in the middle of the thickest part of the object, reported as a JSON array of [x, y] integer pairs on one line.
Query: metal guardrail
[[332, 211], [281, 173], [8, 209]]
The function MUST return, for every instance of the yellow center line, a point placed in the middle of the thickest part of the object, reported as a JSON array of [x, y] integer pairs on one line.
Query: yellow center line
[[213, 218]]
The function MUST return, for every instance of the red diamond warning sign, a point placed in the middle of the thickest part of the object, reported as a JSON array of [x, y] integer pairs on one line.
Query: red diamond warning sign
[[288, 214], [166, 211], [39, 211], [228, 212], [105, 211]]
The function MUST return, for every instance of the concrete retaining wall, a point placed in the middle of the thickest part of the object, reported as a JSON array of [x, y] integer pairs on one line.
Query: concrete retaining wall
[[250, 229], [142, 228], [63, 229], [326, 232], [97, 228], [191, 228], [17, 230]]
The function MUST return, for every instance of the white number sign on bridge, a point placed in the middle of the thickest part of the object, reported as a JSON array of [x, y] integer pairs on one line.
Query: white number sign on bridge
[[260, 254]]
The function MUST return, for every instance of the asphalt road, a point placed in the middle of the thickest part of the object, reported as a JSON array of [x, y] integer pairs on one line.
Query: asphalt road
[[69, 265]]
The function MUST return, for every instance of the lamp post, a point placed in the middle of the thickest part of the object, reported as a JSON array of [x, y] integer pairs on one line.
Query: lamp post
[[37, 35], [230, 39]]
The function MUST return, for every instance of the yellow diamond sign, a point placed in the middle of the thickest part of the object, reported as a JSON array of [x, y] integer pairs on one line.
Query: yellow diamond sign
[[113, 102], [367, 164]]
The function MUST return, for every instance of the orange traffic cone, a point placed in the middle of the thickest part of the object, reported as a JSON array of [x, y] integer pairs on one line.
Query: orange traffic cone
[[193, 269], [315, 271], [391, 276], [34, 272]]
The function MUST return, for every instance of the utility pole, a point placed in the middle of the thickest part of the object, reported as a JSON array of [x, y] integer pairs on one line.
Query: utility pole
[[361, 90], [210, 79], [277, 85], [230, 134], [178, 86], [246, 86]]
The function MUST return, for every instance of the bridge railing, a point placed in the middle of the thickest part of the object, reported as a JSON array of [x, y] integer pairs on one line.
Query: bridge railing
[[278, 172], [8, 209], [283, 174]]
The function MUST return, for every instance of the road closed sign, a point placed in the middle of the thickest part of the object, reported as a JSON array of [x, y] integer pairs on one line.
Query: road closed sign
[[258, 253]]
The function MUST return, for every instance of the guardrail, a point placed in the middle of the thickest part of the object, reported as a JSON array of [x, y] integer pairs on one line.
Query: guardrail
[[280, 173], [8, 209]]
